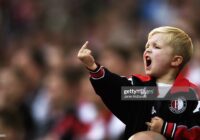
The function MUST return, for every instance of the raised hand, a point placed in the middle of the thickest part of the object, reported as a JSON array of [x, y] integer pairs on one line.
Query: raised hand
[[85, 55]]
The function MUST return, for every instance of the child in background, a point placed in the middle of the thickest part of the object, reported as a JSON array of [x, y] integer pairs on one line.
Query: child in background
[[168, 50]]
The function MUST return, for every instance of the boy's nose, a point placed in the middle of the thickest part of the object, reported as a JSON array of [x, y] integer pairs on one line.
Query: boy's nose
[[148, 50]]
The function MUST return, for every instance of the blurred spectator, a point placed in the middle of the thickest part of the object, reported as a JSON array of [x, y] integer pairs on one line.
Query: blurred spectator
[[57, 115], [13, 94], [31, 63]]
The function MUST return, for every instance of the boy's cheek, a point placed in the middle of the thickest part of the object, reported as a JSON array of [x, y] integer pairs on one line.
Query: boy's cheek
[[162, 61]]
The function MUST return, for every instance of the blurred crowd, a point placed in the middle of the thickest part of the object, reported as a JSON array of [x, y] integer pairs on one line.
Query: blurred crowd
[[45, 93]]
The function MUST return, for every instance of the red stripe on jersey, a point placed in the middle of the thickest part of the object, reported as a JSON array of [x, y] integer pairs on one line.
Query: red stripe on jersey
[[100, 73], [169, 129]]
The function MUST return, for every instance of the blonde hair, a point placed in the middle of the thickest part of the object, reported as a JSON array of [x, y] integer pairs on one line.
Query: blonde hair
[[178, 39]]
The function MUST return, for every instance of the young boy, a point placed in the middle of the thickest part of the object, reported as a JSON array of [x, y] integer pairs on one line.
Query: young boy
[[168, 50]]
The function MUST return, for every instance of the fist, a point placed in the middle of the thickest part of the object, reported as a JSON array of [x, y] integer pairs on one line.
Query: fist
[[155, 124], [85, 56]]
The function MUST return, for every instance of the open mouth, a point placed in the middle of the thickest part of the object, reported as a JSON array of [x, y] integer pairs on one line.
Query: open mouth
[[148, 61]]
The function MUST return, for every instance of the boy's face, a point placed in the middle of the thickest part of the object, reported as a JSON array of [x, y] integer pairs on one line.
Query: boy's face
[[157, 56]]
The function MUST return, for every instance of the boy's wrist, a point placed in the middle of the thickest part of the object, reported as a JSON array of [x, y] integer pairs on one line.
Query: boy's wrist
[[97, 73], [92, 67]]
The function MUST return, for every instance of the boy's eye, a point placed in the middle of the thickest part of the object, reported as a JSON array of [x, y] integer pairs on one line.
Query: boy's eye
[[157, 47]]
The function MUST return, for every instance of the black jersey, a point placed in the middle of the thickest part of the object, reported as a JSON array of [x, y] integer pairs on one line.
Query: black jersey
[[179, 120]]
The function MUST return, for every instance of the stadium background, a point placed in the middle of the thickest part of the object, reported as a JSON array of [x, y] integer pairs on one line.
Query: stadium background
[[44, 90]]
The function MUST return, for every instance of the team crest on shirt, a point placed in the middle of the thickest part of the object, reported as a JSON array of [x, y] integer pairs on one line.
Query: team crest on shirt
[[178, 105]]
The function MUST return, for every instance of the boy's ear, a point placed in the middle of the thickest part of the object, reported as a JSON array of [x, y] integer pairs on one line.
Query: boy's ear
[[177, 61]]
